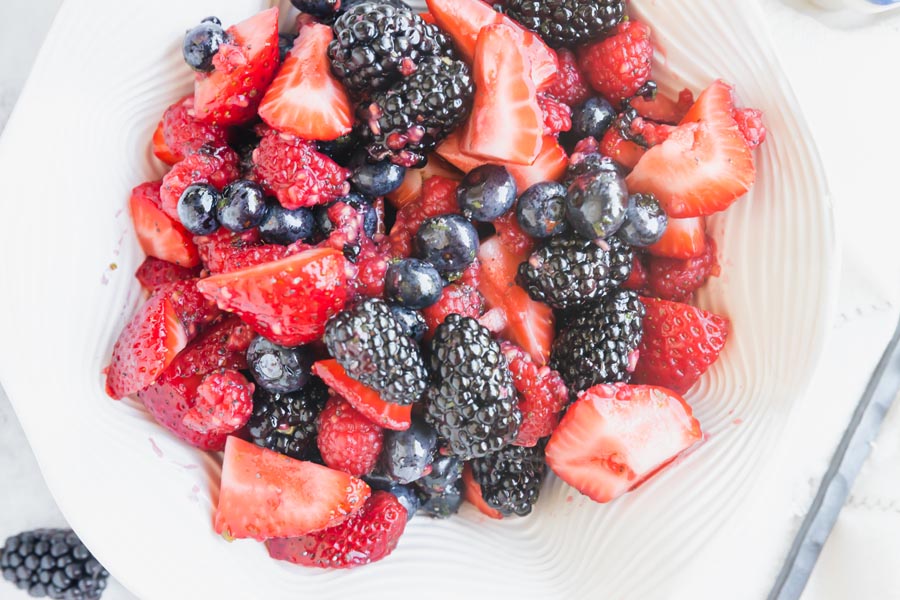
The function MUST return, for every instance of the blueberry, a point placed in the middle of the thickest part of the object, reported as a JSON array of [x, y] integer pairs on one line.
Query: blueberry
[[595, 204], [340, 150], [377, 179], [407, 496], [284, 226], [442, 505], [449, 242], [242, 206], [411, 321], [541, 210], [412, 283], [592, 118], [486, 193], [645, 221], [278, 369], [285, 44], [197, 208], [214, 20], [379, 481], [318, 8], [406, 455], [201, 43], [445, 471]]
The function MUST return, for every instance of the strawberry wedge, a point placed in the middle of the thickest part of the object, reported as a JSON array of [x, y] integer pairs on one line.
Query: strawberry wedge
[[683, 238], [364, 399], [159, 235]]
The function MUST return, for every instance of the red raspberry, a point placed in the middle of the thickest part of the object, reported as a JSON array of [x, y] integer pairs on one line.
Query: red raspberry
[[218, 168], [290, 168], [588, 145], [184, 134], [677, 279], [456, 298], [750, 123], [511, 235], [347, 440], [243, 258], [471, 276], [542, 395], [618, 65], [438, 198], [637, 281], [557, 116], [223, 404], [217, 248], [651, 132], [569, 85], [154, 273]]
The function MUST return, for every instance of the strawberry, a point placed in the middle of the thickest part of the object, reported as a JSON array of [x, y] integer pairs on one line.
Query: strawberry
[[265, 494], [183, 134], [662, 109], [624, 152], [457, 298], [556, 116], [160, 149], [618, 65], [347, 440], [529, 324], [289, 300], [569, 85], [750, 124], [362, 398], [677, 279], [223, 404], [679, 344], [366, 537], [638, 280], [472, 494], [464, 20], [414, 181], [683, 238], [542, 395], [615, 437], [154, 273], [159, 235], [193, 310], [218, 167], [506, 123], [242, 70], [438, 198], [704, 165], [305, 99], [511, 235]]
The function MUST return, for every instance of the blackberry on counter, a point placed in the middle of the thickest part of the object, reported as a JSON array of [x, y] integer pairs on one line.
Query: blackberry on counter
[[375, 44], [408, 120], [566, 272], [472, 404], [567, 22], [286, 423], [54, 563], [373, 348], [511, 479], [598, 343]]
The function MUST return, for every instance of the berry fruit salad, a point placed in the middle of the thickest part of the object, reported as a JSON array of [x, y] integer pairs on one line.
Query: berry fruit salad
[[402, 261]]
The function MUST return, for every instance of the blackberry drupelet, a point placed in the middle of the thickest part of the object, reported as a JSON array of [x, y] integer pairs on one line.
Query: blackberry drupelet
[[373, 348], [566, 272], [567, 22], [408, 120], [375, 44], [596, 346], [54, 563], [621, 258], [286, 423], [511, 479], [472, 404]]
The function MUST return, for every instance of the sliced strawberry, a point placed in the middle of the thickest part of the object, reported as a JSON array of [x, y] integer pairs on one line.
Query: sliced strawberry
[[158, 234], [362, 398], [637, 281], [192, 308], [472, 494], [288, 301], [624, 152], [615, 437], [305, 99], [511, 234], [663, 109], [347, 440], [223, 405], [154, 273], [677, 279], [366, 537], [463, 20], [413, 182], [160, 149], [542, 395], [506, 122], [242, 70], [683, 238], [265, 494], [428, 18], [679, 344], [704, 165], [530, 324]]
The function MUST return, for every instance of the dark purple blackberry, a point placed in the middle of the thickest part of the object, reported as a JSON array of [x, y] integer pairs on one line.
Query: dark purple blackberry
[[54, 563], [286, 423], [621, 259], [373, 348], [566, 272], [511, 479], [567, 22], [472, 403]]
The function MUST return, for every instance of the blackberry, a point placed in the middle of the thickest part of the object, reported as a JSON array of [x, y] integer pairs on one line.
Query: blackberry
[[375, 44], [621, 258], [511, 479], [598, 343], [473, 403], [567, 22], [286, 423], [566, 272], [408, 120], [54, 563], [373, 348]]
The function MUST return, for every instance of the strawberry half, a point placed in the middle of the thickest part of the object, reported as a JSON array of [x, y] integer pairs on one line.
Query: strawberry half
[[704, 165], [160, 149], [305, 99], [265, 494], [683, 238], [159, 235], [472, 494], [506, 123], [662, 109], [289, 300], [414, 181], [615, 437], [364, 399], [242, 70]]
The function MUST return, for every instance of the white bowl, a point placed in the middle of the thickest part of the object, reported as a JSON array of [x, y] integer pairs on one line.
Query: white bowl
[[142, 500]]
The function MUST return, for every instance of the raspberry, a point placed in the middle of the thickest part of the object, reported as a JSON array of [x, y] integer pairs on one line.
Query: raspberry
[[372, 265], [347, 440], [456, 298], [154, 273], [223, 405], [620, 64], [624, 152], [184, 134], [511, 234], [588, 145], [218, 167], [557, 116], [290, 168], [217, 249], [676, 279], [243, 258], [542, 395], [637, 281], [569, 85], [750, 123], [471, 276], [438, 198]]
